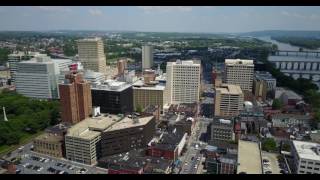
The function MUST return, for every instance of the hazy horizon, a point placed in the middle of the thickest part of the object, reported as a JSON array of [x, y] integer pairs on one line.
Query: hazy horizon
[[180, 19]]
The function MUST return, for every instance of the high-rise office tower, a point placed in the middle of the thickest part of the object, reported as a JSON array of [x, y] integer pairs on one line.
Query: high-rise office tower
[[38, 77], [239, 72], [91, 54], [75, 98], [121, 65], [147, 57], [183, 82], [228, 100], [17, 57]]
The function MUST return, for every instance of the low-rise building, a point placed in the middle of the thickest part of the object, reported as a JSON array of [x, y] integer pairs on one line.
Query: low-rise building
[[135, 162], [306, 157], [226, 164], [222, 130], [287, 120], [170, 146]]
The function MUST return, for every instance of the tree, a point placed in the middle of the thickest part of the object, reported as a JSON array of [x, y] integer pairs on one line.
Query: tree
[[269, 144], [286, 147], [139, 109], [276, 104]]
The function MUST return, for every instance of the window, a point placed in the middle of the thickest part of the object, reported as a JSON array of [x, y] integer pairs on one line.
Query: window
[[302, 166]]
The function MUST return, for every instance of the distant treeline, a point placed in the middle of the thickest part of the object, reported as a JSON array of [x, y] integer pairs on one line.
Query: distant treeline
[[304, 42]]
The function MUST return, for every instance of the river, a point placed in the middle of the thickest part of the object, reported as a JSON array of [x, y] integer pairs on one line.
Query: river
[[285, 46]]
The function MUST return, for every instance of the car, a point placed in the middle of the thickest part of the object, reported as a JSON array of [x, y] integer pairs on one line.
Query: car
[[18, 171], [192, 158], [40, 169], [58, 164], [47, 160], [186, 164], [195, 166], [265, 161], [61, 172], [268, 172], [283, 171], [29, 166], [65, 173]]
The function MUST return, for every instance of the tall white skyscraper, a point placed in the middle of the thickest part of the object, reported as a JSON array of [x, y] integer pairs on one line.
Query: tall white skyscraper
[[239, 72], [38, 77], [183, 81], [147, 57], [91, 54]]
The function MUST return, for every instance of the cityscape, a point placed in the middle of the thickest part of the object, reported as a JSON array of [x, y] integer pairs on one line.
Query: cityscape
[[175, 90]]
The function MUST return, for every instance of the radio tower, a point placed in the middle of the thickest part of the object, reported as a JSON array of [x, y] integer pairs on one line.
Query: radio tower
[[4, 114]]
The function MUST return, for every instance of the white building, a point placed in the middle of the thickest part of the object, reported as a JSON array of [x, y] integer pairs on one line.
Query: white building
[[92, 76], [306, 157], [239, 72], [91, 54], [183, 82], [38, 77], [147, 57], [16, 57]]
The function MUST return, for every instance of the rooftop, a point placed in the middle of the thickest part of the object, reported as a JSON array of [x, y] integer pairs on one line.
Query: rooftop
[[263, 75], [239, 61], [292, 59], [307, 150], [49, 137], [89, 39], [249, 158], [229, 89], [129, 123], [112, 85], [140, 85], [185, 62], [93, 126]]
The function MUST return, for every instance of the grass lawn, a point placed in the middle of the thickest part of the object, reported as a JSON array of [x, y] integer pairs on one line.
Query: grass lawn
[[5, 149]]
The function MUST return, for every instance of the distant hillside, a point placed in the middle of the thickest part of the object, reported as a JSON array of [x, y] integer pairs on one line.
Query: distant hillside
[[274, 33]]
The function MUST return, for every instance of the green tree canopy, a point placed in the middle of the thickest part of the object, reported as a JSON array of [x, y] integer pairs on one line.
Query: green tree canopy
[[276, 104], [269, 144]]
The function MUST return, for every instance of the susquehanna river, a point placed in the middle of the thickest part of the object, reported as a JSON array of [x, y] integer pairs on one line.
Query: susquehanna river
[[285, 46]]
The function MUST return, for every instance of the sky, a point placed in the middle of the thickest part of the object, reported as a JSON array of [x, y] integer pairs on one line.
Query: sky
[[212, 19]]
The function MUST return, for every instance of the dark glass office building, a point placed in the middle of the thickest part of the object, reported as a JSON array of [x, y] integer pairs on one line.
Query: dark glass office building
[[115, 98]]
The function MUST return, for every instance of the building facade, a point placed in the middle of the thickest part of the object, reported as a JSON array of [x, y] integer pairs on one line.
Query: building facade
[[147, 57], [128, 134], [222, 130], [183, 82], [113, 97], [145, 95], [121, 65], [228, 100], [239, 72], [92, 55], [75, 98]]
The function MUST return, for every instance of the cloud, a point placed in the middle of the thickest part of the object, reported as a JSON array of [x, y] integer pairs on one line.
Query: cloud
[[95, 12], [54, 8], [161, 9], [301, 16]]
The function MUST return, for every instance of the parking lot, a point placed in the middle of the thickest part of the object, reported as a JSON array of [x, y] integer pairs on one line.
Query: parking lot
[[34, 163], [272, 165]]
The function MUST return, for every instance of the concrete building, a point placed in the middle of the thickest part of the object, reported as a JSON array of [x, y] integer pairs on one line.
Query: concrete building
[[306, 157], [148, 94], [226, 164], [128, 134], [183, 81], [286, 120], [147, 57], [121, 65], [38, 77], [17, 57], [228, 100], [113, 97], [83, 140], [260, 89], [239, 72], [93, 77], [49, 144], [91, 54], [249, 158], [75, 98], [222, 130]]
